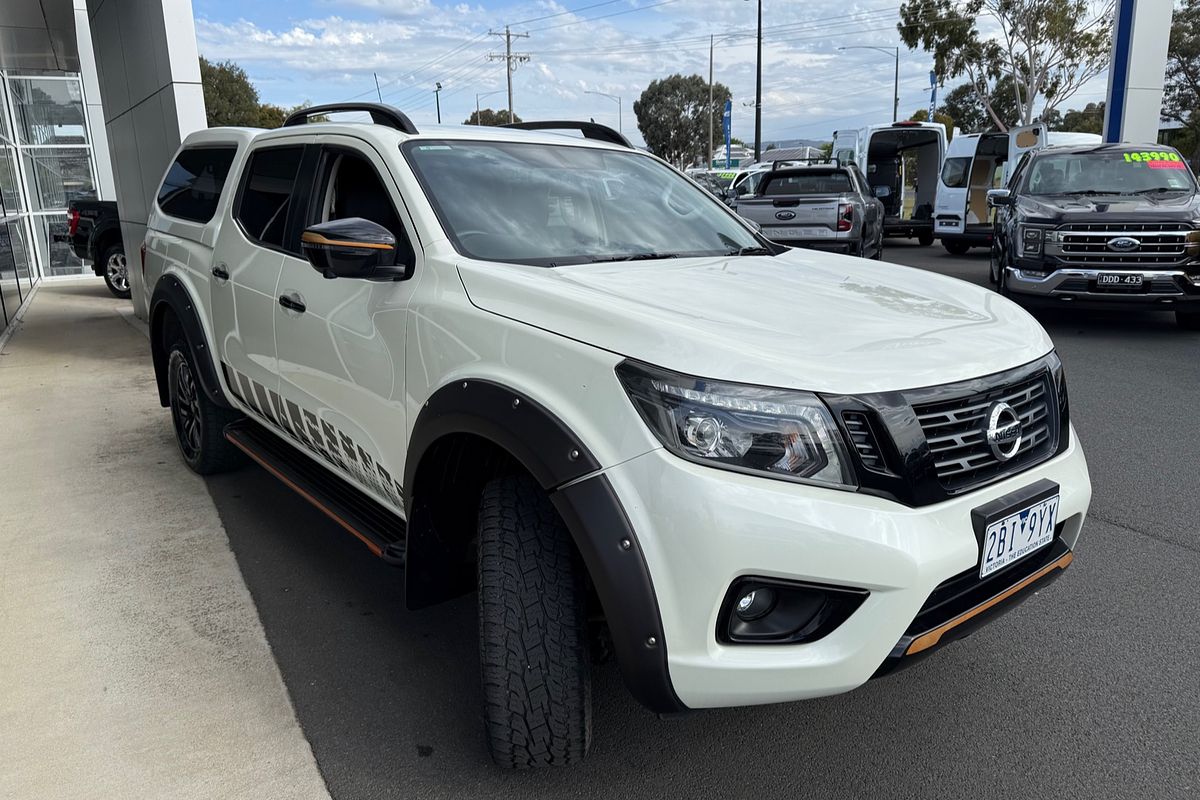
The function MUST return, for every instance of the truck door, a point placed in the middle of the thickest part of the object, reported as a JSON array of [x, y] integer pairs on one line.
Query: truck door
[[341, 341], [247, 260], [1021, 141]]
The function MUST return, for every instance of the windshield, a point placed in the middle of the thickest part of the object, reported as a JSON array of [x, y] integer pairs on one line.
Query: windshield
[[553, 205], [811, 182], [1109, 172]]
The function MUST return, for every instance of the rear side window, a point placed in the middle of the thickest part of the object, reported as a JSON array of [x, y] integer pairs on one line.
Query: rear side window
[[266, 193], [955, 172], [809, 183], [194, 182]]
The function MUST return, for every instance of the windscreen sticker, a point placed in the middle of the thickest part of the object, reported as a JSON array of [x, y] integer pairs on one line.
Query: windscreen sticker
[[1159, 160]]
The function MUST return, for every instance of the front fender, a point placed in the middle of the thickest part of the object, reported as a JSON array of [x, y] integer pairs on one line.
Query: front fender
[[172, 301]]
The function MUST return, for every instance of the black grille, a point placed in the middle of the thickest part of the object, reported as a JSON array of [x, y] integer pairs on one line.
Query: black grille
[[1161, 243], [955, 431], [863, 439]]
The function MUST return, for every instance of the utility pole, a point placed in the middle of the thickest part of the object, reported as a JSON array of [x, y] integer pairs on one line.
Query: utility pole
[[437, 98], [510, 60], [378, 93], [758, 92], [709, 157]]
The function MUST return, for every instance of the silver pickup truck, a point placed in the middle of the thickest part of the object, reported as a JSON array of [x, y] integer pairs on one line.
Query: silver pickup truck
[[824, 206]]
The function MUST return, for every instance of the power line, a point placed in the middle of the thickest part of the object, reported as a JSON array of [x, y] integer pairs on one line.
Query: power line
[[605, 16], [564, 13]]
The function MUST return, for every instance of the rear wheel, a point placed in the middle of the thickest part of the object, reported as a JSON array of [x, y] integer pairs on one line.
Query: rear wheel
[[199, 422], [533, 634], [116, 272], [1188, 320], [925, 238], [955, 248]]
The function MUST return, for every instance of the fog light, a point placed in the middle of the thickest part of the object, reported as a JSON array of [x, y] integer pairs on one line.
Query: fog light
[[1033, 273], [756, 604]]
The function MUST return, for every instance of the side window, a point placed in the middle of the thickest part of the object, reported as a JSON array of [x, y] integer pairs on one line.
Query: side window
[[1016, 175], [352, 188], [193, 184], [267, 185]]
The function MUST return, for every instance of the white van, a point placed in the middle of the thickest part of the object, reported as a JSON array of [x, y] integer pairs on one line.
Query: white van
[[885, 152], [976, 162]]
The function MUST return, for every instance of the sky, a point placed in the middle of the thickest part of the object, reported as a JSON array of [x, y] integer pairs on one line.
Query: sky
[[319, 51]]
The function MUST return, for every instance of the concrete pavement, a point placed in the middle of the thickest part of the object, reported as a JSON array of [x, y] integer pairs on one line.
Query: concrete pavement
[[132, 660]]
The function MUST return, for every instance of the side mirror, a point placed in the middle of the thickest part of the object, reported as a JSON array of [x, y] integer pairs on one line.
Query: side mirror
[[999, 197], [353, 248], [881, 190]]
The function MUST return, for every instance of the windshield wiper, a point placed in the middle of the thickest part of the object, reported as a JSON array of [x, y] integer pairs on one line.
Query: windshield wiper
[[1089, 192], [1156, 190], [633, 257], [752, 251]]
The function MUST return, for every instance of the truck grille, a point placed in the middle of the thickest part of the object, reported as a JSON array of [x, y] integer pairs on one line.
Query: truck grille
[[863, 440], [1162, 243], [955, 431]]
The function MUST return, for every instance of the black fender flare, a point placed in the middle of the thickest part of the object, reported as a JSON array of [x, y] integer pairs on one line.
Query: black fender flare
[[560, 462], [171, 295]]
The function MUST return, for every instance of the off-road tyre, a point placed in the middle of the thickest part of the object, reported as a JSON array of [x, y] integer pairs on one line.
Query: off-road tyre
[[199, 423], [1188, 320], [533, 633]]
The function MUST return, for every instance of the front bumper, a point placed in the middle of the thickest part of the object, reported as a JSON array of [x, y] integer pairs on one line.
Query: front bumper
[[1077, 286], [700, 528]]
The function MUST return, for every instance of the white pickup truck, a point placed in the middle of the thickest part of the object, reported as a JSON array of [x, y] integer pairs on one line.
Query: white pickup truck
[[554, 371]]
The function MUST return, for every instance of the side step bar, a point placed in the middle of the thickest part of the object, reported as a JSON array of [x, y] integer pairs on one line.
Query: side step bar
[[380, 529]]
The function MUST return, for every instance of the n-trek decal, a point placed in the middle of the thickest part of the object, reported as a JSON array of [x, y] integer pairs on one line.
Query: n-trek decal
[[317, 436]]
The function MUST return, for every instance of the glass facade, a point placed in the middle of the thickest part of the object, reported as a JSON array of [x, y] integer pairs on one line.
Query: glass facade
[[46, 161]]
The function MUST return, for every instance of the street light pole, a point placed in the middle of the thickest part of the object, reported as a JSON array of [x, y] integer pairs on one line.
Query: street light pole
[[478, 95], [896, 82], [437, 97], [758, 92], [620, 125]]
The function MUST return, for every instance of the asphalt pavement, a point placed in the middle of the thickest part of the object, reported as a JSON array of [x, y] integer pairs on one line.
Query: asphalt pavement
[[1089, 690]]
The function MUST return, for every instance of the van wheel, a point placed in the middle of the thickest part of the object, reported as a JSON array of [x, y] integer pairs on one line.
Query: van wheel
[[199, 422], [955, 248], [925, 238], [116, 271], [1188, 320], [533, 634]]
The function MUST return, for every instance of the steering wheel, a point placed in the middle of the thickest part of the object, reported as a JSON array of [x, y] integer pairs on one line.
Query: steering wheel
[[669, 200]]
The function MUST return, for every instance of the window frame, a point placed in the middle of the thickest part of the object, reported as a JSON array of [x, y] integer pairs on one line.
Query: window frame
[[290, 235], [231, 146]]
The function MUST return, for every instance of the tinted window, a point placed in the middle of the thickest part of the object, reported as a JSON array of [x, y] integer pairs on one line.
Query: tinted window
[[808, 183], [194, 182], [267, 191], [955, 172]]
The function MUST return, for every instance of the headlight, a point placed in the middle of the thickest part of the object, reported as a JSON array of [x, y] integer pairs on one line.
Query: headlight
[[1031, 240], [775, 432]]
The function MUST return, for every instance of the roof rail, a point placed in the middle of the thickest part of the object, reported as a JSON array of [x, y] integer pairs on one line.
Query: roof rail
[[590, 130], [381, 114], [808, 161]]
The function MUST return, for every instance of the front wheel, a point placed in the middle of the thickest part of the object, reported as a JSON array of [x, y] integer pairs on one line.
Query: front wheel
[[955, 248], [116, 271], [1188, 320], [997, 275], [533, 634], [199, 422]]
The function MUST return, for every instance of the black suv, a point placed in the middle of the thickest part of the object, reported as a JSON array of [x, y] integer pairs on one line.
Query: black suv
[[1108, 226]]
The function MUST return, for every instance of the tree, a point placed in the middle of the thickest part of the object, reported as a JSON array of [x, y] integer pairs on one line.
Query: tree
[[1181, 98], [1089, 119], [1046, 48], [964, 107], [673, 115], [489, 117], [922, 115], [229, 97]]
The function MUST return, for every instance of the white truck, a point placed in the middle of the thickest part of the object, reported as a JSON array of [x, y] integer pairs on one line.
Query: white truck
[[894, 156], [554, 371], [977, 163]]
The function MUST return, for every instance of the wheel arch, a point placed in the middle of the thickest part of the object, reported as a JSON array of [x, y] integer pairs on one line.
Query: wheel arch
[[473, 430], [172, 308]]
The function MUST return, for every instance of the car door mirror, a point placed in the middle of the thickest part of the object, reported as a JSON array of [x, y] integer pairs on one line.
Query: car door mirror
[[354, 248], [999, 197]]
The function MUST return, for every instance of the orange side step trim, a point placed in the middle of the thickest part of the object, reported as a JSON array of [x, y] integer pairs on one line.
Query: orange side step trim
[[932, 637], [374, 548]]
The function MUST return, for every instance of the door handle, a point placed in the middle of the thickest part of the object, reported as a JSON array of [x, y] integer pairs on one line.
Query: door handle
[[293, 302], [220, 273]]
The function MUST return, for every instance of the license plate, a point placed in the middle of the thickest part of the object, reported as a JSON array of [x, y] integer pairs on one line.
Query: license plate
[[799, 233], [1117, 280], [1017, 535]]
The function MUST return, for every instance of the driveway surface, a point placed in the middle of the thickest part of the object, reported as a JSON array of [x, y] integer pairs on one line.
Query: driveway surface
[[1089, 690]]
